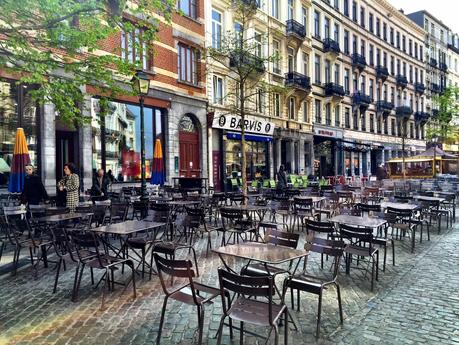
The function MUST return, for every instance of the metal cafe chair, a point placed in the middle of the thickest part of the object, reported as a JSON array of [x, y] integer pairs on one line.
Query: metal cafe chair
[[186, 291], [248, 310], [315, 283]]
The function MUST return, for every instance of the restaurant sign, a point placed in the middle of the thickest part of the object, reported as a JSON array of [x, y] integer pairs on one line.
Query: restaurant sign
[[325, 132], [251, 124]]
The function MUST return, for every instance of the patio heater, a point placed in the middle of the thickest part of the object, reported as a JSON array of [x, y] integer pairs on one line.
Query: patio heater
[[141, 85]]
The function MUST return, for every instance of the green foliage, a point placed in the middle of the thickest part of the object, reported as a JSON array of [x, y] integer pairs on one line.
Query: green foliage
[[52, 43], [444, 123]]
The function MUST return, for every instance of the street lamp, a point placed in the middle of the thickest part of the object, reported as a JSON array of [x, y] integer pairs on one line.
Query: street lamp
[[141, 85]]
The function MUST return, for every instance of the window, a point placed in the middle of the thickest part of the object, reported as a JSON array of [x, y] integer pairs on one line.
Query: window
[[291, 59], [188, 7], [317, 24], [398, 39], [317, 68], [336, 4], [410, 74], [371, 55], [218, 89], [363, 120], [347, 117], [362, 48], [277, 55], [378, 56], [346, 42], [411, 130], [337, 79], [385, 59], [258, 44], [318, 112], [410, 47], [354, 82], [371, 90], [392, 125], [354, 44], [354, 11], [404, 43], [304, 18], [346, 80], [290, 10], [355, 121], [238, 34], [326, 27], [134, 49], [121, 135], [370, 22], [306, 111], [421, 54], [188, 64], [392, 36], [291, 108], [362, 16], [372, 123], [277, 105], [260, 101], [392, 71], [328, 114], [337, 116], [305, 63], [327, 71], [275, 8], [336, 33], [378, 125], [416, 50], [346, 8], [384, 31], [216, 29], [386, 129]]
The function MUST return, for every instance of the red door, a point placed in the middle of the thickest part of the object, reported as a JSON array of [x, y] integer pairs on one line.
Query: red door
[[190, 160]]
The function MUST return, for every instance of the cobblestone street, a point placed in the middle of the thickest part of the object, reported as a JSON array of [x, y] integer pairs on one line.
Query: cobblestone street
[[414, 302]]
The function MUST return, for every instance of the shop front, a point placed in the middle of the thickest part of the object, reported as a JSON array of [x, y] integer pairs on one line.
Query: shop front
[[227, 150], [328, 151]]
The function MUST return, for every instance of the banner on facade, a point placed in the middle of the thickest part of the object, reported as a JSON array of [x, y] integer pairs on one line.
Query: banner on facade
[[326, 132], [252, 124]]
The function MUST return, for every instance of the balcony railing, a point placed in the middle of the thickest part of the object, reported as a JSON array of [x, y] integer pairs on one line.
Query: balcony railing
[[401, 80], [297, 80], [245, 60], [359, 61], [433, 62], [384, 106], [421, 117], [435, 88], [443, 66], [382, 72], [331, 46], [360, 99], [453, 48], [403, 111], [332, 89], [419, 87], [295, 28]]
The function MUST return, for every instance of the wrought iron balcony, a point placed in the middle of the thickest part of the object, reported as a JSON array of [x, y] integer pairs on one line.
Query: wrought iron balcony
[[245, 60], [295, 28], [361, 100], [403, 112], [421, 117], [359, 61], [382, 72], [298, 80], [435, 88], [433, 62], [384, 106], [401, 80], [332, 89], [419, 87], [443, 66], [331, 46]]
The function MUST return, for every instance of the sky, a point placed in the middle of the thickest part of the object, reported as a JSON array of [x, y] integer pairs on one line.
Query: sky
[[445, 10]]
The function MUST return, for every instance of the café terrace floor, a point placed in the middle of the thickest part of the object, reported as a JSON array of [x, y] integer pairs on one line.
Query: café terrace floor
[[414, 302]]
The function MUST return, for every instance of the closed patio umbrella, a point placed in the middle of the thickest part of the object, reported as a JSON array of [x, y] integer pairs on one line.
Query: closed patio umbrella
[[157, 171], [20, 160]]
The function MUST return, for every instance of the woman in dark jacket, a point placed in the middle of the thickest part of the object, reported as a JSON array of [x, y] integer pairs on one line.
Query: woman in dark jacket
[[281, 179], [34, 192]]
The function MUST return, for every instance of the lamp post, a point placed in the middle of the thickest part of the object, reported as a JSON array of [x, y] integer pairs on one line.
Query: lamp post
[[141, 85], [434, 166]]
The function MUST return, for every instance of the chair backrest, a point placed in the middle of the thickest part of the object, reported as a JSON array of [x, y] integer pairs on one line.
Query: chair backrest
[[319, 227], [400, 213], [282, 238], [99, 212], [107, 202], [161, 212], [118, 212], [333, 248], [367, 208], [246, 286], [403, 198], [56, 211], [357, 235], [175, 269], [303, 204]]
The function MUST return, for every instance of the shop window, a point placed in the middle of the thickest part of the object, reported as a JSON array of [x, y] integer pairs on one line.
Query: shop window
[[116, 139], [17, 109], [257, 159]]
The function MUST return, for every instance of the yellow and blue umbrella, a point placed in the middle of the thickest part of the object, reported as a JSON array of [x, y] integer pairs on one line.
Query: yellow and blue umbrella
[[157, 172], [20, 159]]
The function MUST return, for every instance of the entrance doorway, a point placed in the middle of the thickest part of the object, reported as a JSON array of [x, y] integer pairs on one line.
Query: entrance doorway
[[189, 150], [66, 151]]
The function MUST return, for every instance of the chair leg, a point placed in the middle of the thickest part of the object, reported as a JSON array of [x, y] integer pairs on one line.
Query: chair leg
[[195, 261], [58, 268], [276, 335], [241, 334], [161, 322], [319, 312], [106, 284], [340, 306], [393, 252], [286, 326], [200, 323]]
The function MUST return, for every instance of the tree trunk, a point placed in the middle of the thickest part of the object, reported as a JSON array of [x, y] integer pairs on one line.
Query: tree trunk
[[243, 157]]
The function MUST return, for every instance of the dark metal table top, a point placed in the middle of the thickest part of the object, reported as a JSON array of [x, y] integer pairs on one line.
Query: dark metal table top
[[261, 252], [428, 198], [62, 217], [315, 199], [183, 202], [247, 208], [128, 227], [399, 205], [366, 221]]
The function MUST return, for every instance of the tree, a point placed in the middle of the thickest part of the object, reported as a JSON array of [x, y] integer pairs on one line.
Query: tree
[[53, 43], [242, 56], [443, 125]]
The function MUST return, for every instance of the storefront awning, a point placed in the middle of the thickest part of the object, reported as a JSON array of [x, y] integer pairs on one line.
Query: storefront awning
[[249, 137]]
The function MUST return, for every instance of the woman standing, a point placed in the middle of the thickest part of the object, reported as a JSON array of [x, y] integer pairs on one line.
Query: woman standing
[[281, 179], [71, 184], [34, 192]]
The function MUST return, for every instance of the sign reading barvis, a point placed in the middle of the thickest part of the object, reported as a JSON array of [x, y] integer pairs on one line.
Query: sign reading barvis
[[251, 124]]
